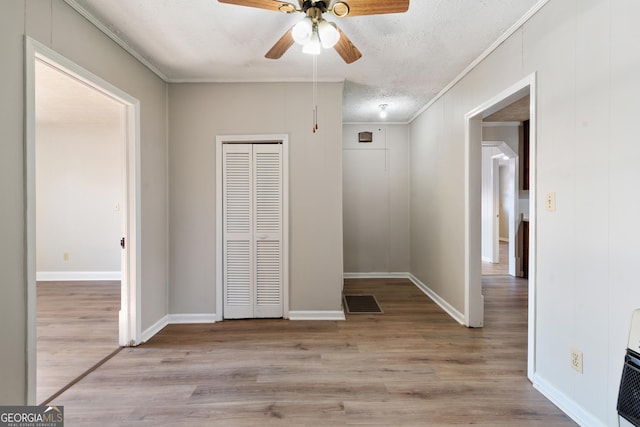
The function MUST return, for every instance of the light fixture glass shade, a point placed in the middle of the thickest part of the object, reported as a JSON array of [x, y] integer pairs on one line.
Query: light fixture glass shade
[[328, 33], [302, 31], [313, 46]]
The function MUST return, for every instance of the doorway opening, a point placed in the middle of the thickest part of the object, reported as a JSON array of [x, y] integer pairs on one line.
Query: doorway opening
[[474, 299], [500, 204], [83, 223]]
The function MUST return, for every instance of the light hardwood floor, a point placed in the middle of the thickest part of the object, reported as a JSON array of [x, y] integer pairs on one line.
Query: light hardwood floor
[[411, 366], [77, 326], [502, 267]]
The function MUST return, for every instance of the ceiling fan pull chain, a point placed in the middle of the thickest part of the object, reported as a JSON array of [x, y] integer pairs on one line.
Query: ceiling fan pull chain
[[315, 93]]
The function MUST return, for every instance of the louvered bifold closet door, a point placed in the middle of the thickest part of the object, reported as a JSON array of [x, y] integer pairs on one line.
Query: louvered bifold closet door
[[238, 231], [252, 228], [267, 202]]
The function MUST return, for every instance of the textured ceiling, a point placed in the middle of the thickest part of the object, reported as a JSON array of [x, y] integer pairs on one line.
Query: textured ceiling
[[517, 111], [407, 58], [61, 99]]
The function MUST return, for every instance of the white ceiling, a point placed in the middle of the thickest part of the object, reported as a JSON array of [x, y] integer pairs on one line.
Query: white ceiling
[[63, 100], [407, 58]]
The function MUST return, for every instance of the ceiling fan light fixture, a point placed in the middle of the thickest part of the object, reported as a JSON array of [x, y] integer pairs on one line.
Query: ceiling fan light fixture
[[328, 33], [313, 46], [302, 31]]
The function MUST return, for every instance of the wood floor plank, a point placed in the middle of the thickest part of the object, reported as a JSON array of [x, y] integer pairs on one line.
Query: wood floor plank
[[77, 326], [411, 366]]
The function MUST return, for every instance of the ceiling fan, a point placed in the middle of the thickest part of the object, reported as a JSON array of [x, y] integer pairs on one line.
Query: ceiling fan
[[313, 31]]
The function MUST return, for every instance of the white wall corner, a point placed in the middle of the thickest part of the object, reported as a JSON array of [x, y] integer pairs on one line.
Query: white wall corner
[[565, 403], [191, 318], [154, 329], [317, 315], [448, 308]]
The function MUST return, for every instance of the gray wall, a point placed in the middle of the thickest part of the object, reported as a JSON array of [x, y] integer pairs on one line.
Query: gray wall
[[56, 25], [376, 199], [587, 61], [200, 112]]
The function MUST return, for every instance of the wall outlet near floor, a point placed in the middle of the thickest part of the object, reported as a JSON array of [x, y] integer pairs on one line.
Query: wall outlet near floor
[[66, 256], [576, 360]]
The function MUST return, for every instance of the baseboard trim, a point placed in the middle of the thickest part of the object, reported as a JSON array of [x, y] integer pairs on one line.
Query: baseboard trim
[[316, 315], [154, 329], [73, 276], [448, 308], [175, 319], [566, 404], [398, 275]]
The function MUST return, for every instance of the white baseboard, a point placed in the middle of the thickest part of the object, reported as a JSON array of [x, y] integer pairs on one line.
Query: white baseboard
[[566, 405], [451, 311], [70, 276], [154, 329], [316, 315], [191, 318], [376, 275], [173, 319]]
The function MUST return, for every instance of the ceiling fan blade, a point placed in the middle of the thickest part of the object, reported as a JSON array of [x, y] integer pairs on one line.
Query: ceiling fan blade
[[376, 7], [260, 4], [346, 49], [281, 46]]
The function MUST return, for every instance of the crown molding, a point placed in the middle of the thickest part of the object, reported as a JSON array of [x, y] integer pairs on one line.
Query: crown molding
[[515, 27], [113, 36]]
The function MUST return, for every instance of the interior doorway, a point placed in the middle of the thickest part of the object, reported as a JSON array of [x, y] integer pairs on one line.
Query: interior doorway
[[79, 142], [500, 202], [46, 260], [474, 299]]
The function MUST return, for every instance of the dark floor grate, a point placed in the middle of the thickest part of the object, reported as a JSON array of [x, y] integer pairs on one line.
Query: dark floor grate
[[361, 304]]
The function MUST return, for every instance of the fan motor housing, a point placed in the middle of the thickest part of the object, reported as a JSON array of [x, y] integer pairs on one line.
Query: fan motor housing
[[317, 4]]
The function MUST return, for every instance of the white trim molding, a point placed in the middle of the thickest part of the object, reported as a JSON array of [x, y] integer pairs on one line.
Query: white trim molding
[[72, 276], [317, 315], [176, 319], [113, 36], [448, 308], [190, 318], [153, 329], [566, 405], [474, 300], [399, 275]]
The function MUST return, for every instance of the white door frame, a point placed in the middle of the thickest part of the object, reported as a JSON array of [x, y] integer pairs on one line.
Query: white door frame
[[129, 317], [474, 300], [252, 139], [514, 168]]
